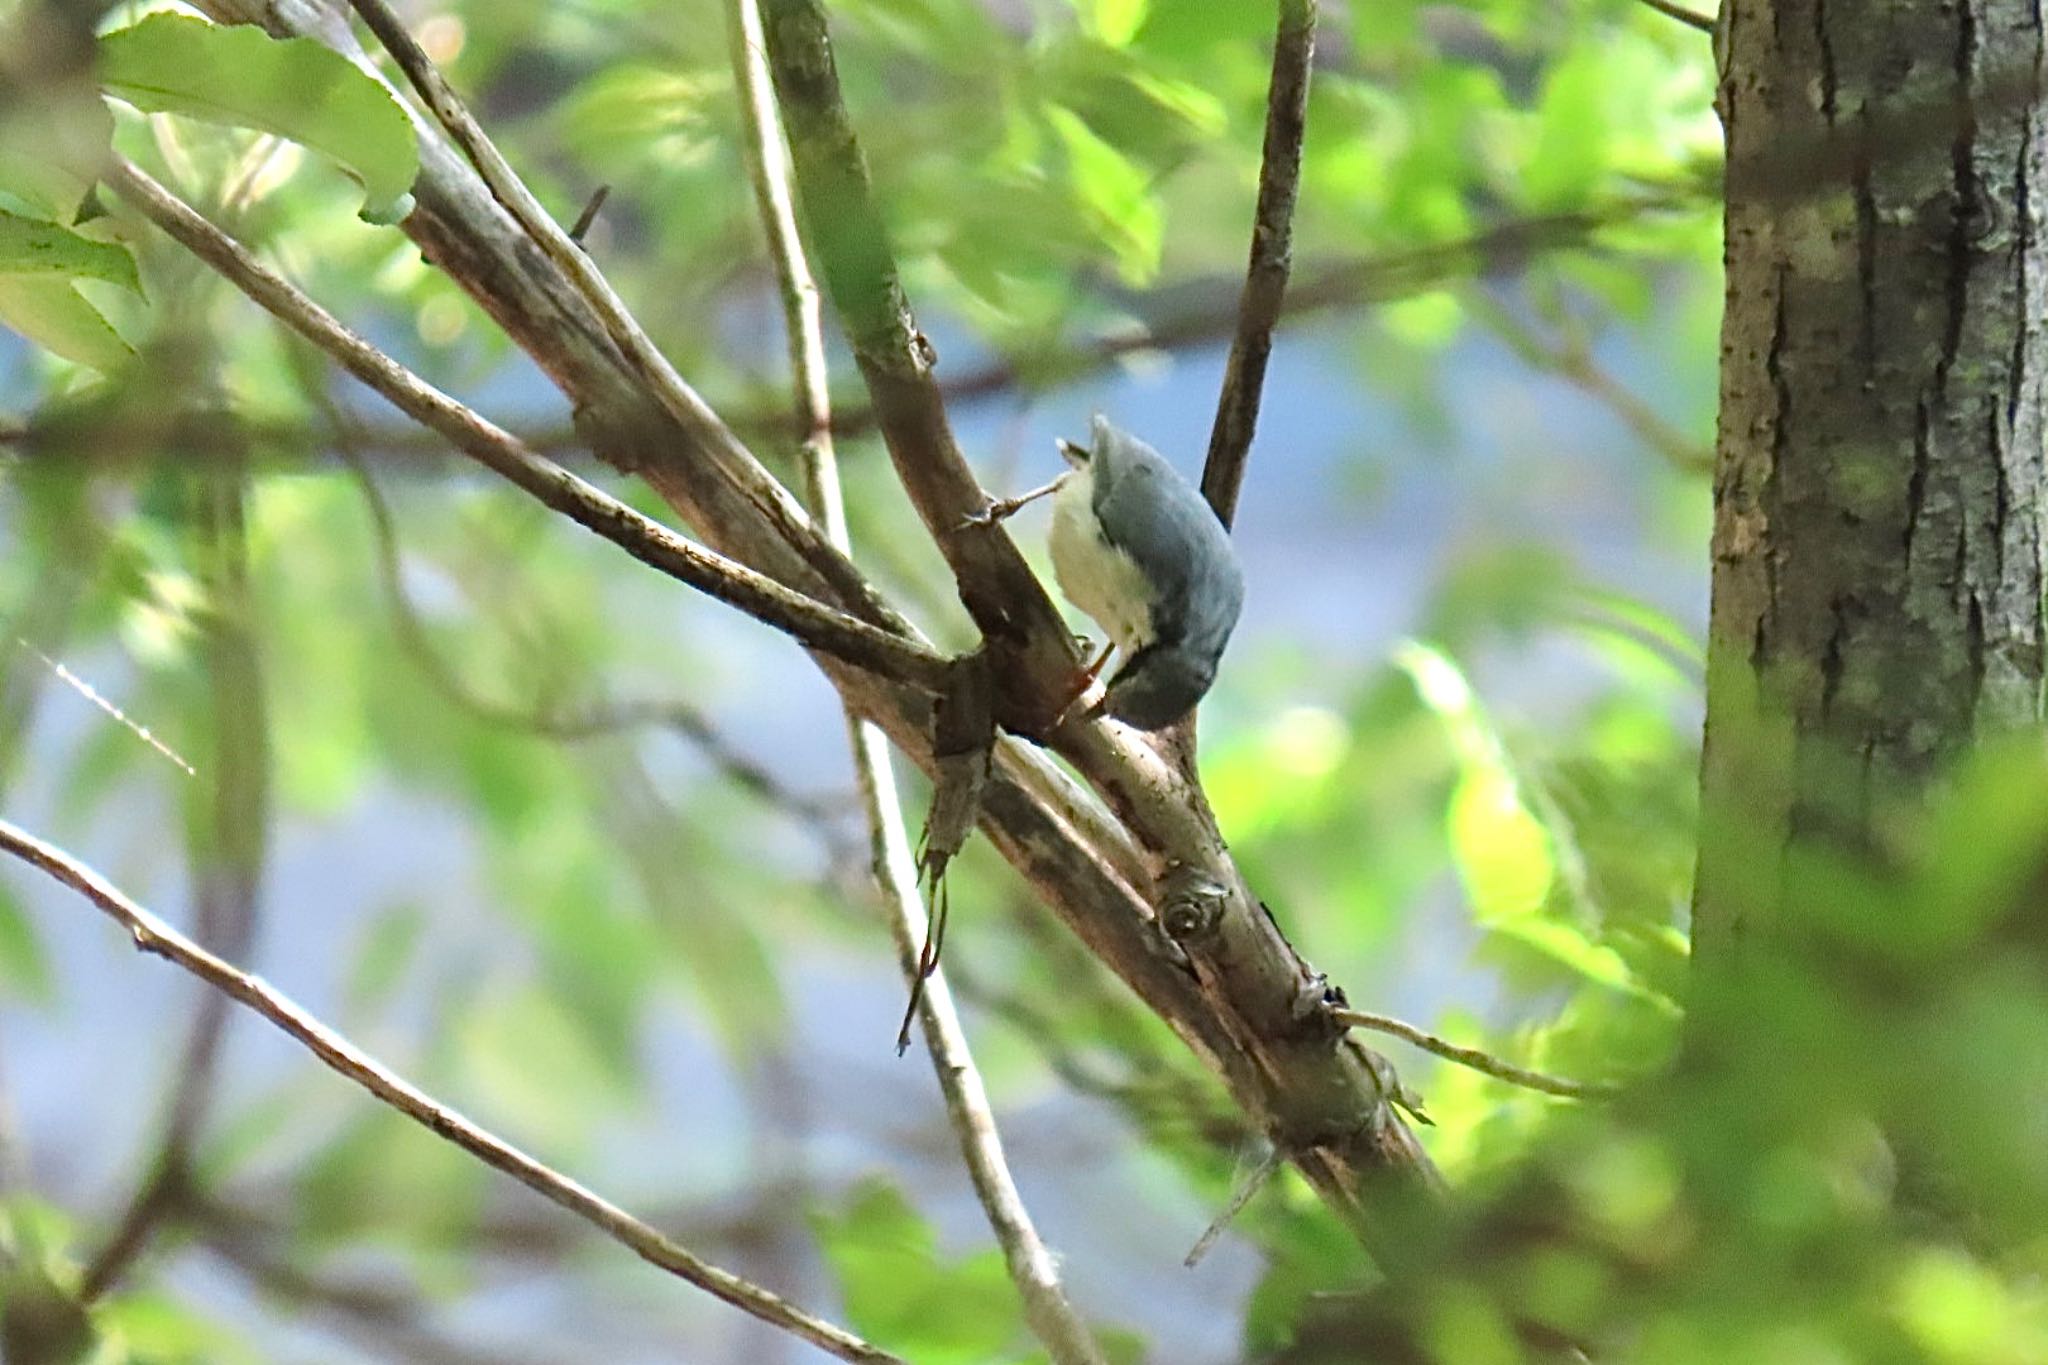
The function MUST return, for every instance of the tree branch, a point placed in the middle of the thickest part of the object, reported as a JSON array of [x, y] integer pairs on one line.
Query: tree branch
[[1265, 284], [1323, 1105], [1195, 313], [1572, 362], [567, 724], [1238, 1008], [676, 397], [153, 935], [1016, 618], [1473, 1057], [809, 621], [1690, 18], [1029, 1261]]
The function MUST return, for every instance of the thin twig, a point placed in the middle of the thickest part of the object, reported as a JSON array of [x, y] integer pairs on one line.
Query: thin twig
[[1030, 1263], [1255, 1180], [811, 622], [593, 720], [228, 857], [1705, 23], [1473, 1057], [682, 403], [1573, 363], [1206, 311], [153, 935], [591, 209], [1265, 282]]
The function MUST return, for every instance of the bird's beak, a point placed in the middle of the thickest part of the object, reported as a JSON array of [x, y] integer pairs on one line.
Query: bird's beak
[[1077, 456]]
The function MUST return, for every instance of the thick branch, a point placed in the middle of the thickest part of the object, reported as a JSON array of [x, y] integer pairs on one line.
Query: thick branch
[[1323, 1105], [807, 620], [152, 935], [1265, 283], [678, 400]]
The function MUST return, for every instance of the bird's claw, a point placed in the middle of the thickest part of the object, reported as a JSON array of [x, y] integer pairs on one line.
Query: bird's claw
[[991, 513]]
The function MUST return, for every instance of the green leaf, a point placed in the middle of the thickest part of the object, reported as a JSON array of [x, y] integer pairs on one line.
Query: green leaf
[[1114, 22], [899, 1292], [1502, 851], [29, 247], [295, 88], [1573, 132], [54, 315], [384, 1174], [52, 148], [535, 1067], [1114, 195]]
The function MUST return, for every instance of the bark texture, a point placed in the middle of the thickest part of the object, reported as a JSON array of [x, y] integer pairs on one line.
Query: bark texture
[[1878, 535]]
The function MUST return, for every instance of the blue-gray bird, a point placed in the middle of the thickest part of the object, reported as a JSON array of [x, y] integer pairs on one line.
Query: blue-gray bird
[[1136, 547]]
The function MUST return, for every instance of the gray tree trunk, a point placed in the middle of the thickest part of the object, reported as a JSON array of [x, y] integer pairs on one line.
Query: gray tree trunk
[[1878, 532]]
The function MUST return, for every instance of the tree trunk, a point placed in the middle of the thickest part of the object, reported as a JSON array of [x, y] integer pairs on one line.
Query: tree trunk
[[1878, 536]]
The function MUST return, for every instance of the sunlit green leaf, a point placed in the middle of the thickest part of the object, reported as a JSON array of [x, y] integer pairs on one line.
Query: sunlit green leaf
[[1115, 196], [50, 311], [53, 146], [1503, 852], [29, 247], [901, 1292], [1115, 22], [294, 87]]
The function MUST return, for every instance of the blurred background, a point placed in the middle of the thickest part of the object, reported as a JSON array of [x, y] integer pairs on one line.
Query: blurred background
[[1454, 743]]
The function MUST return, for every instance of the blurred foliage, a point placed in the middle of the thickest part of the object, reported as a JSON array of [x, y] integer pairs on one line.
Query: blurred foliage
[[538, 925]]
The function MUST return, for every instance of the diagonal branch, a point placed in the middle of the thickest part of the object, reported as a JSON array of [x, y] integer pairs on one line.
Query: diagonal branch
[[1693, 19], [1265, 282], [809, 621], [896, 362], [1323, 1104], [1029, 1261], [681, 402], [153, 935], [1572, 361]]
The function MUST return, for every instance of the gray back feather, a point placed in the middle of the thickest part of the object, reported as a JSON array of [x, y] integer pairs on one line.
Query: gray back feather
[[1160, 520]]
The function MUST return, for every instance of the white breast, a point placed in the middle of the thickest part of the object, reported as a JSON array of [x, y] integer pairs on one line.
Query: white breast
[[1096, 576]]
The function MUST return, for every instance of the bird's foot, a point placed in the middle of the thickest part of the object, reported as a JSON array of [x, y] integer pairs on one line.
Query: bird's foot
[[1085, 699], [1002, 509]]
